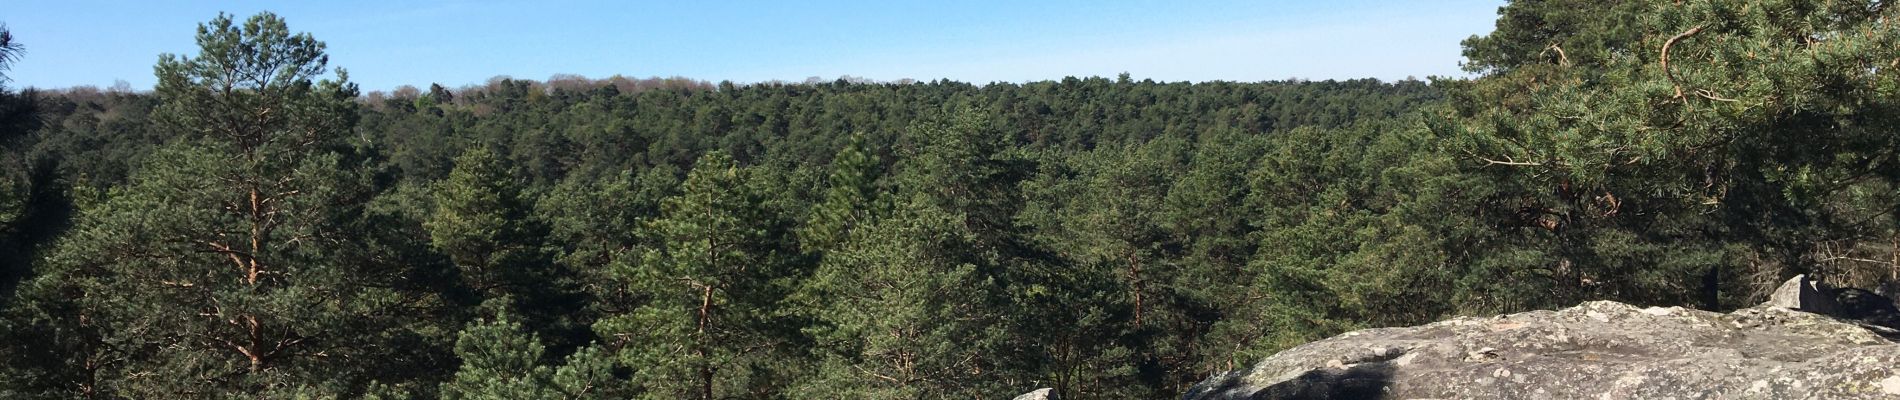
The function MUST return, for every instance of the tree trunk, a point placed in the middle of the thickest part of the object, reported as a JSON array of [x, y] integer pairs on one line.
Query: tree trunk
[[705, 365], [705, 376], [1134, 278], [257, 238]]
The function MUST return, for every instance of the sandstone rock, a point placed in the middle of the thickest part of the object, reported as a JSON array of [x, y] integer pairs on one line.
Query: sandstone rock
[[1868, 308], [1801, 293], [1596, 350], [1038, 394]]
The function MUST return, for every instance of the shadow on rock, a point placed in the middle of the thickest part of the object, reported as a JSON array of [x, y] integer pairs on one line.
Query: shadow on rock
[[1362, 381]]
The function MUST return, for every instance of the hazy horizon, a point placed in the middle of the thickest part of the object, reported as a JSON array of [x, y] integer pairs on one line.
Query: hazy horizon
[[462, 43]]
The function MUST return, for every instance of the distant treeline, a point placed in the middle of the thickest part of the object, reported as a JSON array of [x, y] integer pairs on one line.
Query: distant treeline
[[257, 227]]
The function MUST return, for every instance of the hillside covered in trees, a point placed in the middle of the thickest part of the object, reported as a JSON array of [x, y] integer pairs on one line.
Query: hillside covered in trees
[[259, 227]]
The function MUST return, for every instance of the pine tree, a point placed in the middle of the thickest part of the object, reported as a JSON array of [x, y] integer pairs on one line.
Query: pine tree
[[851, 197], [902, 318], [480, 222], [910, 304], [483, 222], [501, 360], [228, 266], [10, 50], [26, 181], [593, 222], [1352, 233], [709, 291], [1206, 212], [1101, 212], [1641, 146]]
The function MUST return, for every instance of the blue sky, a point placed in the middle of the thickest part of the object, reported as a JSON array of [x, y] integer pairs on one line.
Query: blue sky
[[389, 43]]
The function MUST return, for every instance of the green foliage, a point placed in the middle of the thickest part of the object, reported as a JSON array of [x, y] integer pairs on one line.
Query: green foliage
[[900, 318], [851, 197], [252, 229], [1568, 33], [1351, 232], [709, 288], [571, 205], [503, 361], [903, 306], [1100, 212], [480, 222], [224, 266], [1207, 215], [1738, 140], [13, 203], [594, 222], [10, 51]]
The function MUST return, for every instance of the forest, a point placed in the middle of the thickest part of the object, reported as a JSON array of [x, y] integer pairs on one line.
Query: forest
[[257, 226]]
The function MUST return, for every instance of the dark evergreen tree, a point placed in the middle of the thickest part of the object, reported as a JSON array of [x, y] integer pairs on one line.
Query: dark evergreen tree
[[1639, 146], [709, 291], [502, 360], [227, 267], [480, 222]]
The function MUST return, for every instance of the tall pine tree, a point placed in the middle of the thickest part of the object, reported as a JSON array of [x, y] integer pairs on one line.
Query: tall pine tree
[[709, 291], [228, 266]]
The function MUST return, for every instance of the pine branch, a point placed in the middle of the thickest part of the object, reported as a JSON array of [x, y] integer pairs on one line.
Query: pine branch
[[1665, 56]]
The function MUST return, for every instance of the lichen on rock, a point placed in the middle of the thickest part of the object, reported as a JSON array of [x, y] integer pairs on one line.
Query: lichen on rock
[[1597, 349]]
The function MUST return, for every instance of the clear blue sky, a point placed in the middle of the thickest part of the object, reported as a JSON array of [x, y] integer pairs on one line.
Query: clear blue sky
[[394, 42]]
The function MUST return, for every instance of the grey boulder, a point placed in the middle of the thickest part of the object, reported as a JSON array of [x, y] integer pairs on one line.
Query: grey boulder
[[1596, 350], [1801, 293], [1038, 394]]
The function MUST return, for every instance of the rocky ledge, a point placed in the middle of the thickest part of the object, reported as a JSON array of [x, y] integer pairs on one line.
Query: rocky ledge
[[1803, 343]]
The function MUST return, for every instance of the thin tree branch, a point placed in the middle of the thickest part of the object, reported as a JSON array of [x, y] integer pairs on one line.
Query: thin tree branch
[[1665, 56], [1562, 59]]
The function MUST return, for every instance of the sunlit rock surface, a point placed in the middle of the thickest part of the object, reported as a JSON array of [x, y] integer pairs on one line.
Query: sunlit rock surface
[[1596, 350]]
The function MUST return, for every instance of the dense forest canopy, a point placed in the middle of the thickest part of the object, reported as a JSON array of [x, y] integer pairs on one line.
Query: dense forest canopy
[[259, 227]]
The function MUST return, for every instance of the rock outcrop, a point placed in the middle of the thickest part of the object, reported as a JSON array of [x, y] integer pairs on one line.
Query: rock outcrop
[[1600, 350], [1038, 394], [1803, 294]]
